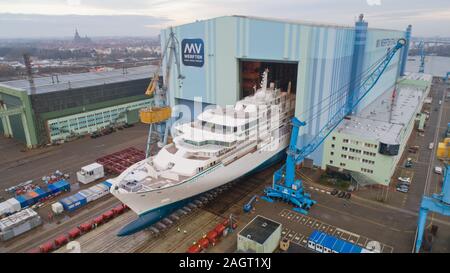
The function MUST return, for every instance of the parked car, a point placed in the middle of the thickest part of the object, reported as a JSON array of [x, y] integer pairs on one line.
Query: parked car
[[347, 195], [408, 164], [438, 170], [431, 146], [405, 179], [402, 189]]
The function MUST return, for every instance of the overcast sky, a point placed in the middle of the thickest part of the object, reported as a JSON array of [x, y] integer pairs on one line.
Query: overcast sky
[[49, 18]]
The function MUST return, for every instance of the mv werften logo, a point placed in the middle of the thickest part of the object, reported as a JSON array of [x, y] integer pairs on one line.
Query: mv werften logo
[[193, 52]]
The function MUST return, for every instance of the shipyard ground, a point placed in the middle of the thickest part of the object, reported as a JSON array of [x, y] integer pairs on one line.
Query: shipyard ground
[[18, 166], [382, 215]]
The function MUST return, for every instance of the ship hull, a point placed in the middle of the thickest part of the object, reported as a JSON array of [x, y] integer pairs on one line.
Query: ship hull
[[165, 202]]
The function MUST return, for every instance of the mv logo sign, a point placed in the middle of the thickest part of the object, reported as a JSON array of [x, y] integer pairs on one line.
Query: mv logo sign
[[193, 52]]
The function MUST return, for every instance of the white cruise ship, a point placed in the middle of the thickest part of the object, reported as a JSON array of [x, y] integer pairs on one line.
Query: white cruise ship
[[221, 145]]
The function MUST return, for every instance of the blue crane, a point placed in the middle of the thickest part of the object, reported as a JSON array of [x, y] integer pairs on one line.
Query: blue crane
[[285, 186], [249, 205], [422, 56], [439, 203]]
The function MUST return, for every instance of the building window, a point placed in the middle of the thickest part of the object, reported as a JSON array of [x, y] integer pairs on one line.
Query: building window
[[343, 156], [369, 153], [367, 170], [342, 164], [331, 161], [344, 148], [332, 145], [332, 153], [345, 140], [371, 162], [355, 151], [334, 138]]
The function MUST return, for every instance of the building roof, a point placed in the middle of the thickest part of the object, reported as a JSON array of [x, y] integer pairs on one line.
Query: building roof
[[299, 22], [378, 122], [80, 80], [259, 229]]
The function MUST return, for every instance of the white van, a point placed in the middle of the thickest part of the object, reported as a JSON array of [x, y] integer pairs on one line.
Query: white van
[[438, 170]]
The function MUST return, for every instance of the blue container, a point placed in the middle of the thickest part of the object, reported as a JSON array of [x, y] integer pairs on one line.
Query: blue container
[[32, 197], [23, 201], [106, 183], [41, 193], [52, 189], [62, 185], [338, 246], [73, 202]]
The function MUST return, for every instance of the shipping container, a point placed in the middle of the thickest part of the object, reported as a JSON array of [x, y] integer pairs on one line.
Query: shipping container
[[32, 194], [61, 185], [74, 233], [106, 183], [194, 249], [204, 243], [73, 202], [57, 208], [15, 205], [103, 186], [18, 223], [23, 201], [90, 173], [32, 197], [5, 208], [98, 220], [119, 209], [52, 189], [47, 247], [212, 235], [34, 250], [61, 240], [108, 215], [85, 227], [88, 194], [219, 229], [41, 193]]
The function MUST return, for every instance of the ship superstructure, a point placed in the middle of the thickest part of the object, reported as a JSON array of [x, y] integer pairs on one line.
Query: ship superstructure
[[221, 145]]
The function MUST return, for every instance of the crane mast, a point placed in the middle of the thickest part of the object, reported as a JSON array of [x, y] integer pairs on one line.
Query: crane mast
[[285, 186], [159, 114], [422, 56]]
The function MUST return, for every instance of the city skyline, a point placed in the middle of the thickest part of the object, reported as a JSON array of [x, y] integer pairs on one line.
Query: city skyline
[[22, 19]]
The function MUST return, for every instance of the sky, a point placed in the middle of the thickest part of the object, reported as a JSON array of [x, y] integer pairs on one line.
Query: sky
[[59, 18]]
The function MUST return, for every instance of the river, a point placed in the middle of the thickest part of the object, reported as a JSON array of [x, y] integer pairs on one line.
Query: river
[[434, 65]]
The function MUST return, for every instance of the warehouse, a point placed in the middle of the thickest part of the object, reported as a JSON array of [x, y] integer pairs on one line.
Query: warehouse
[[48, 109], [368, 145], [222, 60], [261, 235]]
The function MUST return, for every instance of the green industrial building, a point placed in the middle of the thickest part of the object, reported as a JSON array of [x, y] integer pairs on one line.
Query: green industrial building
[[43, 110], [369, 145]]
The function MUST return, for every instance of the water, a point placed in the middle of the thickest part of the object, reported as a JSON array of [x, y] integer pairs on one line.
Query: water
[[434, 65]]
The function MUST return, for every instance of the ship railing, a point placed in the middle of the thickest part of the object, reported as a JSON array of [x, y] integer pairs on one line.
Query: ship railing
[[240, 152]]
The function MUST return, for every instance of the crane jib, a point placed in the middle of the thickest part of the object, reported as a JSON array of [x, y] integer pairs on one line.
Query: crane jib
[[334, 121], [285, 186]]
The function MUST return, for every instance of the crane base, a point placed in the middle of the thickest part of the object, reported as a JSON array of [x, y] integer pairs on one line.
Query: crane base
[[301, 201]]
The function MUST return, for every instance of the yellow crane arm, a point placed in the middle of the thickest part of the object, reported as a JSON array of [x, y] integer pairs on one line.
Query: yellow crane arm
[[153, 84]]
